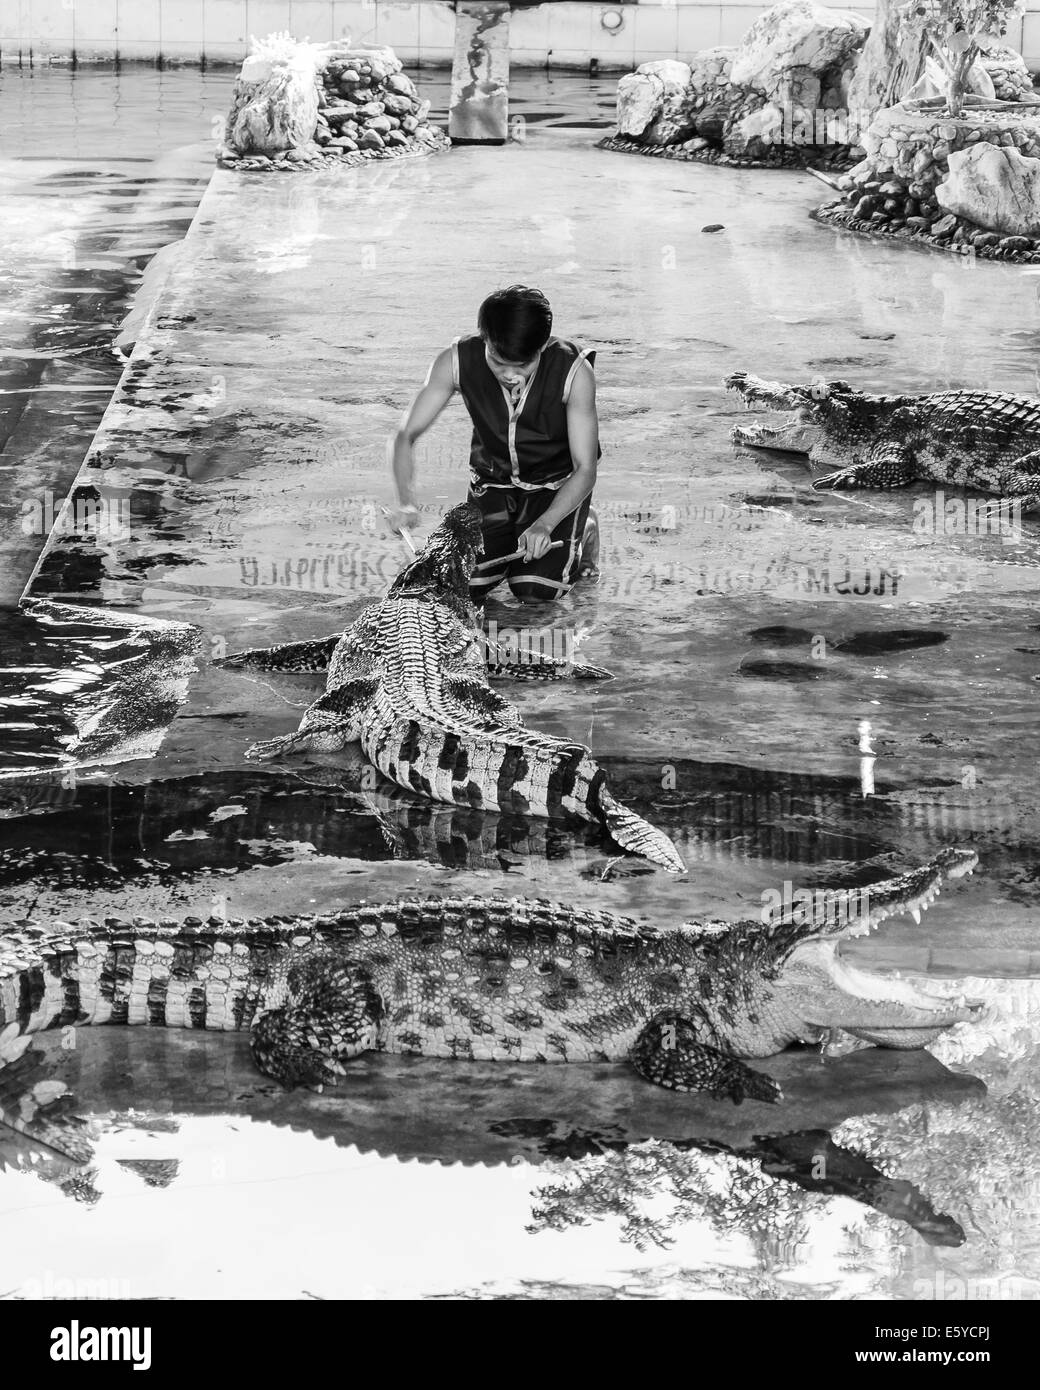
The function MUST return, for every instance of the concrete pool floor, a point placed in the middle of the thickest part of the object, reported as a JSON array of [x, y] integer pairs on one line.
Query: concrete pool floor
[[243, 463], [243, 467]]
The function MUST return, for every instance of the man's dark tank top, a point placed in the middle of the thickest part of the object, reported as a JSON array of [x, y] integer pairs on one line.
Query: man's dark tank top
[[525, 445]]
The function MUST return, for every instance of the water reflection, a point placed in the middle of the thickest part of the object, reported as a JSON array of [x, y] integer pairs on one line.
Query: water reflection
[[886, 1174]]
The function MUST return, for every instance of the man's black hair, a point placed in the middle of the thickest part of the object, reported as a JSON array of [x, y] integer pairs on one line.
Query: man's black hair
[[515, 322]]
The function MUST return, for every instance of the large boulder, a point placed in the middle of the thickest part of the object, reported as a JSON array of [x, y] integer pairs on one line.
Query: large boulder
[[653, 103], [995, 187], [792, 43], [275, 99], [709, 70]]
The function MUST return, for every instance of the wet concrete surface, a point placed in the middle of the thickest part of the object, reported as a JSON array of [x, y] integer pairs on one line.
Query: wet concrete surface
[[240, 474], [242, 468]]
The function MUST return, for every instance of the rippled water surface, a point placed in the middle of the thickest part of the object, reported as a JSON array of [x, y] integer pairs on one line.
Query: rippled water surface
[[810, 690]]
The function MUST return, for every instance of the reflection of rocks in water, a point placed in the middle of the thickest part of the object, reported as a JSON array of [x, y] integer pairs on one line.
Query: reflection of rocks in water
[[156, 1172], [77, 1181]]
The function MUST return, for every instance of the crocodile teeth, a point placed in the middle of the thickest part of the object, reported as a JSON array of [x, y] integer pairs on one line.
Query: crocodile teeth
[[915, 913]]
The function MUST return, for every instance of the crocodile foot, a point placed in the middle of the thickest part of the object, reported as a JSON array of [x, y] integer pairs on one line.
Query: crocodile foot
[[331, 1015], [668, 1053]]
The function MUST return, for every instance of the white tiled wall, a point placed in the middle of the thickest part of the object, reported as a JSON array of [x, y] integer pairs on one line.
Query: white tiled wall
[[561, 33]]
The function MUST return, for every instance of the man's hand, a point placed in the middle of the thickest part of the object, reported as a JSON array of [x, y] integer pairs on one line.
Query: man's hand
[[403, 518], [535, 541]]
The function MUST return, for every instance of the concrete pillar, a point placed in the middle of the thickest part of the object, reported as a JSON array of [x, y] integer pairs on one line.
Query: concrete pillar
[[479, 111]]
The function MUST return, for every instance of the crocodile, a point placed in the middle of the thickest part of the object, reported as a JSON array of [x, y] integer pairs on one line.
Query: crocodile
[[487, 979], [408, 681], [988, 440]]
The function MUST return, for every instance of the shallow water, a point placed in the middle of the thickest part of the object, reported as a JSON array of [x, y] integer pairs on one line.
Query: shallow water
[[245, 471]]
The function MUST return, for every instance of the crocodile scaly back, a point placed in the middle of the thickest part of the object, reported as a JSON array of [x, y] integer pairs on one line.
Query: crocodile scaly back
[[409, 682]]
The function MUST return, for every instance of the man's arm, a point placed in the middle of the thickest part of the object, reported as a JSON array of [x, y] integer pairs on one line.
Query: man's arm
[[435, 394], [583, 437]]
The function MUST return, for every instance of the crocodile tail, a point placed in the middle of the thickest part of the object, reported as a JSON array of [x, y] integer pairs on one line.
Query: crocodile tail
[[638, 836]]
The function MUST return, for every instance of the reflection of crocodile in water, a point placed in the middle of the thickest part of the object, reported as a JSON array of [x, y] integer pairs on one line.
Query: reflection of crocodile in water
[[63, 834], [408, 681], [983, 439], [490, 980], [144, 1081]]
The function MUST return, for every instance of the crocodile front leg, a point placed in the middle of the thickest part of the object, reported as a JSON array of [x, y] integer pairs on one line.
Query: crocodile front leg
[[888, 465], [287, 656], [669, 1053], [332, 1013], [1020, 483], [543, 668], [334, 721]]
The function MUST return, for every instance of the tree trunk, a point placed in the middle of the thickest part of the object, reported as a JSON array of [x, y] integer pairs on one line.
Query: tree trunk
[[891, 62]]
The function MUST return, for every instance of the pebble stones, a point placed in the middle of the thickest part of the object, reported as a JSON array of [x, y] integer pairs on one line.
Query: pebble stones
[[897, 198], [963, 239], [700, 151]]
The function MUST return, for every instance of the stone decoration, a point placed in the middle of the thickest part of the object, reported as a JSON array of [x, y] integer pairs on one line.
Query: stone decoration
[[789, 49], [654, 102], [304, 105], [915, 150], [1008, 72], [993, 186], [275, 102], [763, 102]]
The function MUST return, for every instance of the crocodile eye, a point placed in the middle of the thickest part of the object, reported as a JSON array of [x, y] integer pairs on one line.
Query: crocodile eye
[[819, 390]]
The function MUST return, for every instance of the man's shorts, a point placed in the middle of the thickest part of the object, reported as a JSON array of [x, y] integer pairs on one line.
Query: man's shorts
[[506, 513]]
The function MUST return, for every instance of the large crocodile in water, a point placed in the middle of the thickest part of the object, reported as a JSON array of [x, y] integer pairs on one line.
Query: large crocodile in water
[[488, 979], [409, 682], [988, 440]]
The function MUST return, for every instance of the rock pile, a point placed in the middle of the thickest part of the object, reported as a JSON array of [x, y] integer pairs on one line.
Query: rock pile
[[1008, 73], [970, 183], [766, 102], [305, 105]]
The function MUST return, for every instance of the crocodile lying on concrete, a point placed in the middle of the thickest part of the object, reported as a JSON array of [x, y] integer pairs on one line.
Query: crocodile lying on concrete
[[408, 681], [983, 439], [486, 979]]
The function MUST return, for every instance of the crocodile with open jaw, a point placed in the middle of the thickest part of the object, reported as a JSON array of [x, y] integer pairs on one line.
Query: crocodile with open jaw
[[983, 439], [408, 681], [488, 979]]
